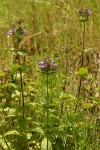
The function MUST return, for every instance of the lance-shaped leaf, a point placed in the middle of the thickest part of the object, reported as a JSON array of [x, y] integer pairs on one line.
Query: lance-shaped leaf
[[12, 132]]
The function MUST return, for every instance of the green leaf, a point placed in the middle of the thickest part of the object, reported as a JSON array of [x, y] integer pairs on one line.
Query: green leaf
[[68, 96], [14, 50], [23, 54], [0, 137], [5, 85], [12, 112], [16, 67], [6, 109], [32, 105], [87, 105], [44, 144], [1, 74], [83, 18], [4, 146], [82, 72], [12, 132], [52, 105], [37, 130], [22, 123]]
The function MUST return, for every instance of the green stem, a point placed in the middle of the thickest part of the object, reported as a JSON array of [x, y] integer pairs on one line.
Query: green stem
[[47, 110], [22, 94], [6, 144], [82, 64], [21, 85], [62, 108], [66, 65]]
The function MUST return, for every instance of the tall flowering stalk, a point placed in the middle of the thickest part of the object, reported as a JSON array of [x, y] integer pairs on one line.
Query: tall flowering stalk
[[18, 32], [47, 67], [84, 15]]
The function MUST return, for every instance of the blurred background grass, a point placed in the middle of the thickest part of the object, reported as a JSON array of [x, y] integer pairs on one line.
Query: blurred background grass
[[56, 19]]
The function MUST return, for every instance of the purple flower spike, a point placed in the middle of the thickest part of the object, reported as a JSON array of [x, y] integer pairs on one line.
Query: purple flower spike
[[25, 32], [84, 14], [48, 67], [10, 32], [88, 12], [18, 30]]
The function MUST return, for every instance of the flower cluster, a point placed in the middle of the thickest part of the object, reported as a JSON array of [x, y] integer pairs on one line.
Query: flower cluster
[[19, 30], [84, 14], [48, 67]]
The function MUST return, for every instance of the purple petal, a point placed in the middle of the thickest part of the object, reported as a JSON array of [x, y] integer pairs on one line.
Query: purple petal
[[10, 32], [42, 67], [41, 63], [88, 12], [25, 32], [53, 64]]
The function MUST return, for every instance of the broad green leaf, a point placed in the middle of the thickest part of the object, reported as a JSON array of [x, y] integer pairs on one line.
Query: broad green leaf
[[37, 130], [38, 133], [82, 72], [12, 132], [6, 109], [12, 112]]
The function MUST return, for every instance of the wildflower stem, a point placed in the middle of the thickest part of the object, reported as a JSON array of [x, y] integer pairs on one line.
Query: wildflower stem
[[66, 66], [22, 94], [21, 86], [62, 107], [82, 65], [47, 110]]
